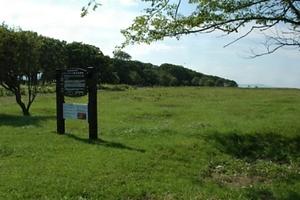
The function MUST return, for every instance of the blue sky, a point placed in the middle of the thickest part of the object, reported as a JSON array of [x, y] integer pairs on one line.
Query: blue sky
[[203, 53]]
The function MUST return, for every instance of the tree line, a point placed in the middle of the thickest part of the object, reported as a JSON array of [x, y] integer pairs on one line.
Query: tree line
[[32, 59]]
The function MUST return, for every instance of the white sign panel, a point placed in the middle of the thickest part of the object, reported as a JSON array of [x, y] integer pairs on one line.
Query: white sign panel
[[75, 111]]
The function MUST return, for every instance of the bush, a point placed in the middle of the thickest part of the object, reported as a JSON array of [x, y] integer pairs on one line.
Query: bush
[[4, 92], [116, 87]]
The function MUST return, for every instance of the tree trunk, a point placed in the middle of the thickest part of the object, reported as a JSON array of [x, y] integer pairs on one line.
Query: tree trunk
[[21, 104]]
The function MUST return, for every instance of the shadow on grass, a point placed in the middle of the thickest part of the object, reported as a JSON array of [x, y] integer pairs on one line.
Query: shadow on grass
[[262, 193], [274, 147], [20, 120], [116, 145]]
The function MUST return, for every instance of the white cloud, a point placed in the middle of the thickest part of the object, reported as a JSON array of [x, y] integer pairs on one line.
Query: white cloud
[[129, 2]]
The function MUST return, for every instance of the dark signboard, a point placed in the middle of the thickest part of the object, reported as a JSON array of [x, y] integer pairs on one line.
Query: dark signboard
[[74, 82]]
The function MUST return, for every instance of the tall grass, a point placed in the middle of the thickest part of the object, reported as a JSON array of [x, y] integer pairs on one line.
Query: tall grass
[[156, 143]]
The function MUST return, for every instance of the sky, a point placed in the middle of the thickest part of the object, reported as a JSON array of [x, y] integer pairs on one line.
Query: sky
[[203, 53]]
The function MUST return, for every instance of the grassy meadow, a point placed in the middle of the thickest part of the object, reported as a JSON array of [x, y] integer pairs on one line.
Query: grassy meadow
[[156, 143]]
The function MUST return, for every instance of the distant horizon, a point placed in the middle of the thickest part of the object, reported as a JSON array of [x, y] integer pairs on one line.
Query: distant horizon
[[262, 86]]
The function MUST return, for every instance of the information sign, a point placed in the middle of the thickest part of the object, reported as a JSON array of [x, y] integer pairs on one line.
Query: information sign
[[73, 82], [75, 111]]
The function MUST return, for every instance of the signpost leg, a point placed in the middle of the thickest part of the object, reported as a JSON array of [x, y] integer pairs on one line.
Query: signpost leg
[[92, 105], [59, 104]]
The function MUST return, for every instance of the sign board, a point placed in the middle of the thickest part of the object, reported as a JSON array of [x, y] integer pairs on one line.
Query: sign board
[[73, 82], [75, 111]]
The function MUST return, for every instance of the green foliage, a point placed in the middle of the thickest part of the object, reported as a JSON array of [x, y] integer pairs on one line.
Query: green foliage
[[85, 9], [145, 74], [156, 143], [81, 55], [53, 55], [118, 54], [178, 18]]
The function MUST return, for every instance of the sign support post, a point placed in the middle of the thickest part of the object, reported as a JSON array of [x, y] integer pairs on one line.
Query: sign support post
[[92, 105], [60, 100]]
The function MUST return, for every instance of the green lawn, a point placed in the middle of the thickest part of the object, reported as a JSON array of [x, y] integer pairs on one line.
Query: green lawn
[[156, 143]]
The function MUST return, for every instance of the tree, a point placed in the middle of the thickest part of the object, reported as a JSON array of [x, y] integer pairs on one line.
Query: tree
[[220, 82], [118, 54], [19, 55], [196, 81], [52, 55], [150, 75], [230, 83], [209, 83], [167, 79], [180, 73], [277, 20], [135, 78], [108, 75], [80, 55]]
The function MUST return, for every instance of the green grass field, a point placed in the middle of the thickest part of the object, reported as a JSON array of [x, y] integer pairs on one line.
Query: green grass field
[[156, 143]]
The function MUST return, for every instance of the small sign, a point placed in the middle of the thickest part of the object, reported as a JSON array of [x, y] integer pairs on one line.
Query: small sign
[[73, 82], [75, 111]]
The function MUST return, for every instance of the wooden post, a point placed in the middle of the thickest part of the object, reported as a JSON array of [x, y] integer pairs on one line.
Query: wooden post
[[59, 103], [92, 105]]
